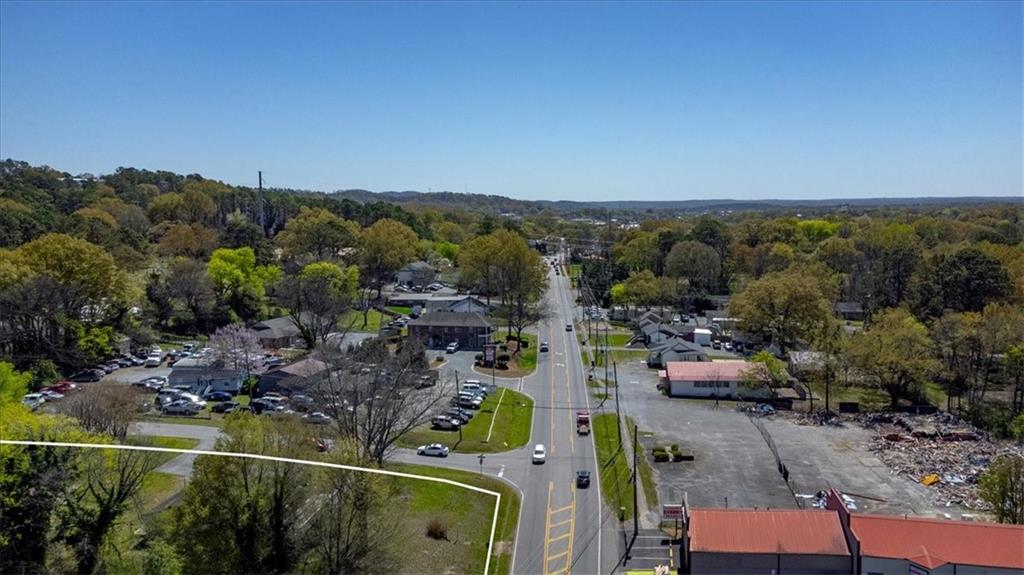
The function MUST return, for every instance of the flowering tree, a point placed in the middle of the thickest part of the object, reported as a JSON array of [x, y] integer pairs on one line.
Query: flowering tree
[[236, 347]]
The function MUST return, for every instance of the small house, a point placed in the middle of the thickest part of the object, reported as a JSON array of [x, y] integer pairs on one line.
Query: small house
[[287, 378], [277, 333], [204, 378], [458, 304], [718, 379], [676, 349], [416, 273], [849, 310]]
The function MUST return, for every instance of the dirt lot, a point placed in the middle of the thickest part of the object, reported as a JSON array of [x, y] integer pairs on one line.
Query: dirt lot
[[733, 465]]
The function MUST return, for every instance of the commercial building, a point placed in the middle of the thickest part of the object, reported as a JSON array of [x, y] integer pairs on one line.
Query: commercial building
[[436, 330], [721, 379]]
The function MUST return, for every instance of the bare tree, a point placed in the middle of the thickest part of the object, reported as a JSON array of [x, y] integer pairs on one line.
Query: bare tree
[[103, 408], [317, 299], [373, 394]]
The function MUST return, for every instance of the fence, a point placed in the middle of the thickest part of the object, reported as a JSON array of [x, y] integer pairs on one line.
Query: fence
[[779, 464]]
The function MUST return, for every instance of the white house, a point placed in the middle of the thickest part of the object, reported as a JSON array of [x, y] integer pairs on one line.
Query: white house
[[707, 379], [458, 303]]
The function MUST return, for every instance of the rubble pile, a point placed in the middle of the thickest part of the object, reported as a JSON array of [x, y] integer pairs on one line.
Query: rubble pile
[[939, 451]]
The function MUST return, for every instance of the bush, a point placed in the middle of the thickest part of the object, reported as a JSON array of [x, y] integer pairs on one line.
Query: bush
[[437, 529], [661, 456], [675, 448]]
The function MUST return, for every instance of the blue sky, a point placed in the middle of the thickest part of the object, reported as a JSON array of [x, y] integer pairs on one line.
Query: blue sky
[[584, 101]]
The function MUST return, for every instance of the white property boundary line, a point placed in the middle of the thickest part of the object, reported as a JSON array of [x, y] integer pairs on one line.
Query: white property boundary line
[[497, 502]]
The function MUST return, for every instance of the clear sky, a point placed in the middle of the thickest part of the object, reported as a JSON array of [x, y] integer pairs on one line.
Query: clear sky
[[583, 101]]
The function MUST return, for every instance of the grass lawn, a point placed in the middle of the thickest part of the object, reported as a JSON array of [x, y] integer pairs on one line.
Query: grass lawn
[[522, 364], [511, 427], [354, 318], [404, 310], [617, 339], [646, 474], [615, 485], [870, 399], [468, 517], [621, 356]]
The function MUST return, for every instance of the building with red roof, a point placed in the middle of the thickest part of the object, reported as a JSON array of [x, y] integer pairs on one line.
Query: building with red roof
[[916, 545], [708, 379], [741, 541]]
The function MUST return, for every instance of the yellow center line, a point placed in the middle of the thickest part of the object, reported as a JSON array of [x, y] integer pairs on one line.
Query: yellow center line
[[560, 509], [561, 523], [572, 531], [547, 525], [556, 556], [559, 538]]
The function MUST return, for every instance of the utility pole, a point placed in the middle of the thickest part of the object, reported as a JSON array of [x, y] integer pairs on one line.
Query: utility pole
[[457, 405], [259, 201], [618, 413], [636, 479]]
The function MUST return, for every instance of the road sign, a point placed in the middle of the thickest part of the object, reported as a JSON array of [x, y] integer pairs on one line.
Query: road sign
[[489, 352], [671, 511]]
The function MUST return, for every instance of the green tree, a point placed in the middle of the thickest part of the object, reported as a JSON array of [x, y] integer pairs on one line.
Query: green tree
[[766, 372], [1002, 487], [317, 233], [894, 352], [167, 208], [641, 253], [239, 280], [317, 298], [969, 280], [790, 306], [13, 384], [891, 253], [387, 245], [698, 263], [193, 241]]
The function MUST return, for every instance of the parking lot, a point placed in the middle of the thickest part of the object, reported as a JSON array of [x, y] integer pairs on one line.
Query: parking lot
[[733, 465]]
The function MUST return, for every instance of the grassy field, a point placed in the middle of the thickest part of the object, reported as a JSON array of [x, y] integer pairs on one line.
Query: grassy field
[[404, 310], [617, 339], [164, 441], [522, 364], [468, 517], [354, 319], [621, 356], [615, 486], [646, 474], [511, 427]]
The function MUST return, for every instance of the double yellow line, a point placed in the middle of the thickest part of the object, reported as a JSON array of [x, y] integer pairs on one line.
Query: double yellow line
[[571, 534]]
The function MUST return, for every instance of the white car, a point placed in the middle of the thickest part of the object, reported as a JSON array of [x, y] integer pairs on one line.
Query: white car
[[434, 450], [452, 347], [51, 395], [193, 398], [539, 453], [153, 360], [33, 400], [317, 417], [180, 407]]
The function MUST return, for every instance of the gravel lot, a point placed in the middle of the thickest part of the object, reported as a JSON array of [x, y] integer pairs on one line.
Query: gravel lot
[[734, 465]]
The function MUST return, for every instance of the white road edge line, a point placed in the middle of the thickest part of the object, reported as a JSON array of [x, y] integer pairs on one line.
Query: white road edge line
[[497, 496], [494, 416]]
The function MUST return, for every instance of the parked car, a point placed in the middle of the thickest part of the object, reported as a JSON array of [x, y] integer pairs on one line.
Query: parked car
[[435, 286], [193, 398], [425, 381], [263, 406], [317, 417], [433, 450], [33, 400], [467, 403], [452, 347], [63, 387], [167, 395], [583, 478], [226, 407], [474, 387], [716, 345], [462, 415], [88, 375], [217, 396], [51, 395], [543, 346], [539, 453], [106, 368], [180, 407], [568, 327], [153, 360], [445, 423]]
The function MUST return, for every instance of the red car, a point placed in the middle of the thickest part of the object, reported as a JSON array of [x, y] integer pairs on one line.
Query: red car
[[63, 387]]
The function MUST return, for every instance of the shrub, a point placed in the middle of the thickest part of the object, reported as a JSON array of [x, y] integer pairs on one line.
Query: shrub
[[661, 456], [675, 448], [437, 529]]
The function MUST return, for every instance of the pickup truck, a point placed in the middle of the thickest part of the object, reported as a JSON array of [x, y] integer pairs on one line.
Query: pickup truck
[[583, 422]]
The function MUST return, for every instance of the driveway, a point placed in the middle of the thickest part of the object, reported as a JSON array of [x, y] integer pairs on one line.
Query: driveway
[[181, 465]]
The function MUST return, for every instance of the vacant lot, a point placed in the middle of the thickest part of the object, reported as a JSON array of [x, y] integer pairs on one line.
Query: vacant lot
[[467, 515], [511, 413], [734, 466]]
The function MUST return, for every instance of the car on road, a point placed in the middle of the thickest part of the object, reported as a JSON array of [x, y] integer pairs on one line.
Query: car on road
[[543, 346], [676, 319], [217, 396], [432, 450], [540, 454], [317, 417], [226, 407], [583, 479], [88, 375], [568, 327], [452, 347]]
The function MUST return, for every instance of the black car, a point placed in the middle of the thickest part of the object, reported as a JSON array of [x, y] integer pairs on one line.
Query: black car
[[226, 407], [582, 478], [460, 414], [218, 396], [88, 375]]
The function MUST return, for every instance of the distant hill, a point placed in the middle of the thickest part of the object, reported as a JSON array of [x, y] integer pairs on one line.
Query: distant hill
[[502, 204]]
